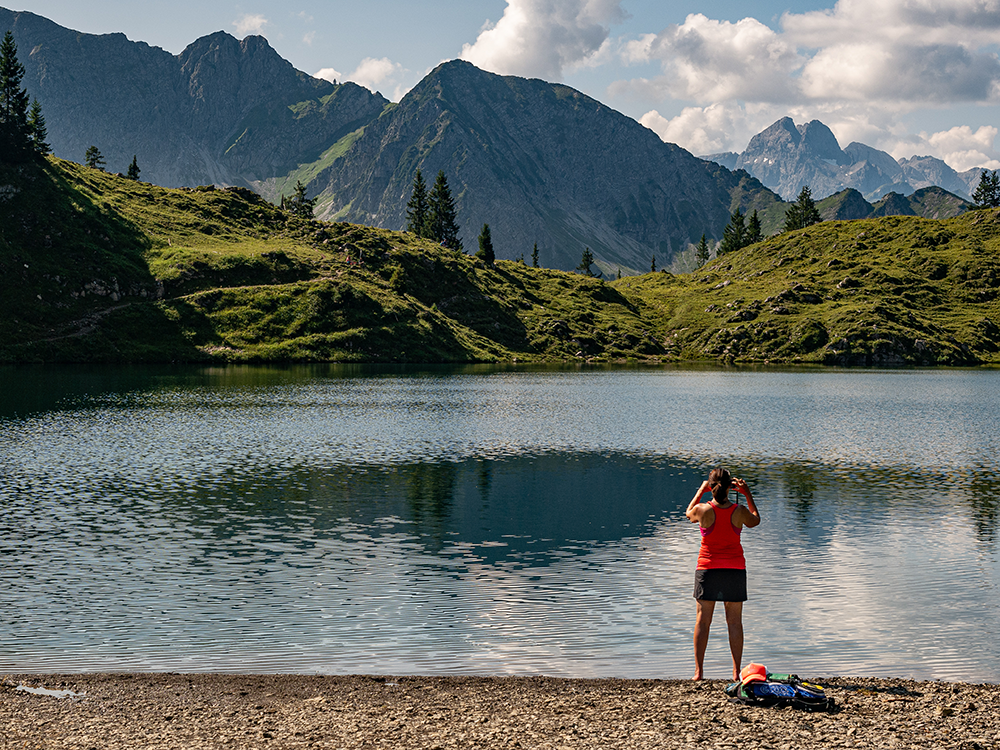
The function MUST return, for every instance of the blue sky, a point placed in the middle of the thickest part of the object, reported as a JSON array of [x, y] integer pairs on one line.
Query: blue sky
[[908, 76]]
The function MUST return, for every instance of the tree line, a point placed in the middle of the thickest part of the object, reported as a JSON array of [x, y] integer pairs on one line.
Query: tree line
[[22, 126], [23, 133]]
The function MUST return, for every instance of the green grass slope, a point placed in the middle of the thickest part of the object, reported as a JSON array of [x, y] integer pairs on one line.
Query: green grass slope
[[104, 269], [98, 268], [890, 291]]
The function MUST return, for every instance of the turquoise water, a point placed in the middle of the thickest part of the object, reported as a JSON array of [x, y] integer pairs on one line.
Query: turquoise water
[[492, 521]]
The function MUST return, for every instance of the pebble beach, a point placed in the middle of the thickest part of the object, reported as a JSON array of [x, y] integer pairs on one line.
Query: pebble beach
[[345, 712]]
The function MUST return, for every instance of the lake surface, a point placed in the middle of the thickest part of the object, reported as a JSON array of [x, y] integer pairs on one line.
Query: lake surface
[[492, 521]]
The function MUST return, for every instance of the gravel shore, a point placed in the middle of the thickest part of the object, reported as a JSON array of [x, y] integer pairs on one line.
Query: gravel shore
[[297, 711]]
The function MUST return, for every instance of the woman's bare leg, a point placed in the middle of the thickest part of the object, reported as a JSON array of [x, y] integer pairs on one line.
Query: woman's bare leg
[[702, 624], [734, 620]]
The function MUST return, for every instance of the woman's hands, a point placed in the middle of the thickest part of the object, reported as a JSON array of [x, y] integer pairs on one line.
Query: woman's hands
[[740, 485]]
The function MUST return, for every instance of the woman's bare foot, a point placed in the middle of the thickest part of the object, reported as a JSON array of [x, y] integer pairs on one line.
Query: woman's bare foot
[[698, 676]]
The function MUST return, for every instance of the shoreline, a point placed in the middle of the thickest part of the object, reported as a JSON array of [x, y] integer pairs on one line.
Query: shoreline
[[168, 710]]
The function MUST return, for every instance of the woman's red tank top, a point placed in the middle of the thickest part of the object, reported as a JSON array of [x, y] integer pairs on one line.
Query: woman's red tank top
[[720, 542]]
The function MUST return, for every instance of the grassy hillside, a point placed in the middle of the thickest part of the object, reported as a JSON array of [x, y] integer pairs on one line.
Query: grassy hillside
[[102, 269], [889, 291], [107, 269]]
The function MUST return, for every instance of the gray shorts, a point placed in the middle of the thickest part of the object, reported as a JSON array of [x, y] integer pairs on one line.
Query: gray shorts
[[721, 585]]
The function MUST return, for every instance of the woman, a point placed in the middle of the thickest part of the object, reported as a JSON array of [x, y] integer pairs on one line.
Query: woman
[[722, 570]]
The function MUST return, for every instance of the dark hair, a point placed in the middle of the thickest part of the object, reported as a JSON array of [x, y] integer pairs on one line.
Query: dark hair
[[720, 480]]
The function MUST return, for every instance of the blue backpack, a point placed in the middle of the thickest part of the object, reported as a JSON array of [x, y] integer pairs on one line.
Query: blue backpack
[[781, 690]]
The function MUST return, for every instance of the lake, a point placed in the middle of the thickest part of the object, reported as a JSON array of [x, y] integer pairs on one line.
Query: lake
[[491, 520]]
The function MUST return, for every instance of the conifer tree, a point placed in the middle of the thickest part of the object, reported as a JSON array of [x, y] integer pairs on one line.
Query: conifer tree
[[534, 256], [93, 158], [15, 134], [586, 261], [485, 252], [754, 232], [133, 169], [441, 215], [416, 208], [987, 193], [734, 235], [652, 265], [701, 252], [37, 129], [802, 213], [299, 204]]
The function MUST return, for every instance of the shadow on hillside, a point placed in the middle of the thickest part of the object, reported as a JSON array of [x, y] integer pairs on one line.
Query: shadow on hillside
[[81, 290]]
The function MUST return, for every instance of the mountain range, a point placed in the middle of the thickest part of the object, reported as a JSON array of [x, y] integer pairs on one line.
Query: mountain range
[[785, 157], [539, 162]]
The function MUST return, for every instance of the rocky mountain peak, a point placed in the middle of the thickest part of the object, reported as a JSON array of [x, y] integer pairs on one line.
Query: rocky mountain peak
[[820, 143], [785, 157], [539, 162]]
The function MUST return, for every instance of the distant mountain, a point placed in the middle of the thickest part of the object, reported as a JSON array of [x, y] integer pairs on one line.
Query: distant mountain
[[539, 162], [785, 157], [929, 202], [223, 111]]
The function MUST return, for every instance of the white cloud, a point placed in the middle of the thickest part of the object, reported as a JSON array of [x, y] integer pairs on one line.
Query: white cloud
[[703, 130], [964, 148], [328, 74], [704, 60], [372, 72], [542, 38], [380, 74], [308, 38], [250, 23], [858, 67]]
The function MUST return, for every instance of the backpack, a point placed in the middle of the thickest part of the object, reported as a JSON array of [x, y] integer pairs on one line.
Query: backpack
[[779, 690]]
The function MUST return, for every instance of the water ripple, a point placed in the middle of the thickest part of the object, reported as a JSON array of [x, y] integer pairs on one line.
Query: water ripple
[[496, 522]]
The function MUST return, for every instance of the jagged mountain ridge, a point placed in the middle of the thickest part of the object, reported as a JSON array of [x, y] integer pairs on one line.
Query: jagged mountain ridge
[[928, 202], [223, 111], [785, 157], [539, 162]]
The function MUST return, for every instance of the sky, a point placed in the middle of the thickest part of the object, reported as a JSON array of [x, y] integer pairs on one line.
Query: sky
[[911, 77]]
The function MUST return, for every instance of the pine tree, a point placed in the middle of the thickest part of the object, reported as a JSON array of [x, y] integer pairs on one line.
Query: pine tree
[[754, 232], [802, 213], [417, 209], [734, 235], [485, 252], [987, 193], [133, 169], [534, 256], [701, 253], [586, 261], [441, 215], [299, 204], [37, 129], [93, 158], [652, 265], [15, 133]]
